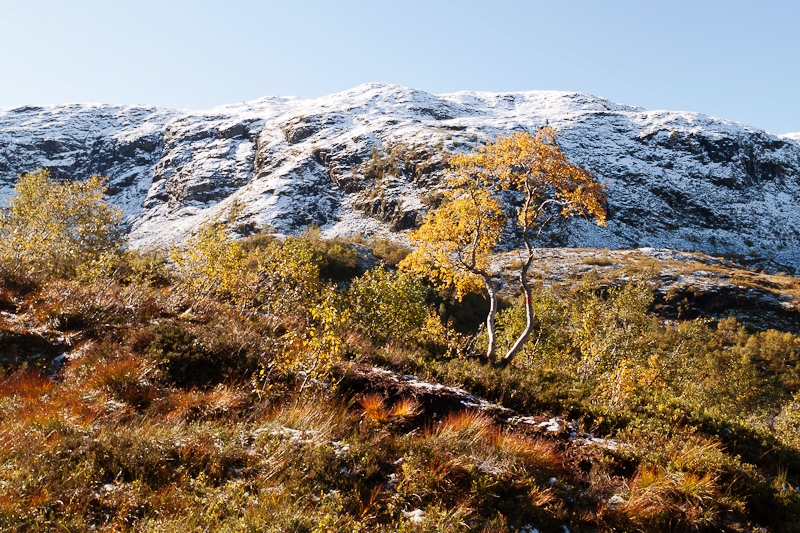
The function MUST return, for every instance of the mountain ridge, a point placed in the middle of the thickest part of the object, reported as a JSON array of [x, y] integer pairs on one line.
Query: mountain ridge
[[675, 179]]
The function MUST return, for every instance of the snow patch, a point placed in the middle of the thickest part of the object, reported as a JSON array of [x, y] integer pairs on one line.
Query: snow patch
[[416, 516]]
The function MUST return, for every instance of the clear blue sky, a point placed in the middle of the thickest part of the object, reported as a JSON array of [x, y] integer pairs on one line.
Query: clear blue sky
[[729, 58]]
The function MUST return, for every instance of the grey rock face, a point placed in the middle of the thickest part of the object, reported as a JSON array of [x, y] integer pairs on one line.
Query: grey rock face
[[370, 160]]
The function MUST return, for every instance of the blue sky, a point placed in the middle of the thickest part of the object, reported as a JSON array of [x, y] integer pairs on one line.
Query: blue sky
[[732, 59]]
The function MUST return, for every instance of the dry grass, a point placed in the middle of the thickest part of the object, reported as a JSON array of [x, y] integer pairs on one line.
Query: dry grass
[[656, 496], [193, 404], [374, 407], [467, 428], [602, 260], [125, 380], [25, 385], [72, 304], [406, 408], [110, 444], [540, 453], [308, 415]]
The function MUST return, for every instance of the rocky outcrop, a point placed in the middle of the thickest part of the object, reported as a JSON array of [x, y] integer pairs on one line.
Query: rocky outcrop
[[675, 180], [686, 285]]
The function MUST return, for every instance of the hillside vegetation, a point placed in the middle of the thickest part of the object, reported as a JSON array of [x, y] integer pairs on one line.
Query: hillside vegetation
[[264, 384]]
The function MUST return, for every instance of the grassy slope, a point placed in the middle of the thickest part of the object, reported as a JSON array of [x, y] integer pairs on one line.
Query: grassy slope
[[159, 419]]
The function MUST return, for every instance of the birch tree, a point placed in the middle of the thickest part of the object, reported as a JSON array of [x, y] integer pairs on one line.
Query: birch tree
[[455, 243]]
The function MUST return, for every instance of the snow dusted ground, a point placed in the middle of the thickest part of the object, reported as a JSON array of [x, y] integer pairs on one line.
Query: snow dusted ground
[[675, 179]]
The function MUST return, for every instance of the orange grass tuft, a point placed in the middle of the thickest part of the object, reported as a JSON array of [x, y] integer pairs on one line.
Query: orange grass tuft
[[469, 427], [25, 385], [374, 407], [658, 495], [406, 408], [540, 453], [541, 497]]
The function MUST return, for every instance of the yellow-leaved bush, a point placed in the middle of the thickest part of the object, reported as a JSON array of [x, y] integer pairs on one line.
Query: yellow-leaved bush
[[52, 227], [277, 281], [455, 243], [387, 306], [275, 278], [310, 351], [212, 266]]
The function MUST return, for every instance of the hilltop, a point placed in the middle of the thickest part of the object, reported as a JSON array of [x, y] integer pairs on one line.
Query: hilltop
[[675, 179]]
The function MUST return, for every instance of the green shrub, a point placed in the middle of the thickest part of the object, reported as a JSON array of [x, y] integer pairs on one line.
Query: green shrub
[[387, 306], [340, 261], [779, 352], [551, 346], [212, 265], [338, 257], [148, 268], [787, 424], [189, 357], [276, 278], [388, 251], [288, 276]]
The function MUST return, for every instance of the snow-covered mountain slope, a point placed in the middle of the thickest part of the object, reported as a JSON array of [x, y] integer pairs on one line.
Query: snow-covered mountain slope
[[675, 180]]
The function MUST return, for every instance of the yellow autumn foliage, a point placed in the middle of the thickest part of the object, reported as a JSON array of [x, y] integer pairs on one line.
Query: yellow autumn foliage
[[535, 165], [212, 265], [456, 240], [281, 277], [53, 227]]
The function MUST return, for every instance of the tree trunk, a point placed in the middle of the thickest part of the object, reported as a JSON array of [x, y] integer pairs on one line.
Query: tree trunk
[[529, 316], [490, 328]]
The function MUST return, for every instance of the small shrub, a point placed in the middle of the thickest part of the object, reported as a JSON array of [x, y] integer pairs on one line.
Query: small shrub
[[277, 278], [310, 352], [148, 268], [381, 165], [288, 277], [787, 425], [338, 257], [388, 251], [387, 306], [213, 265], [186, 359], [599, 260]]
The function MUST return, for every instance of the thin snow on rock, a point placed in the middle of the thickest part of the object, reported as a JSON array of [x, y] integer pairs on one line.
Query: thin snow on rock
[[675, 180], [416, 516]]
